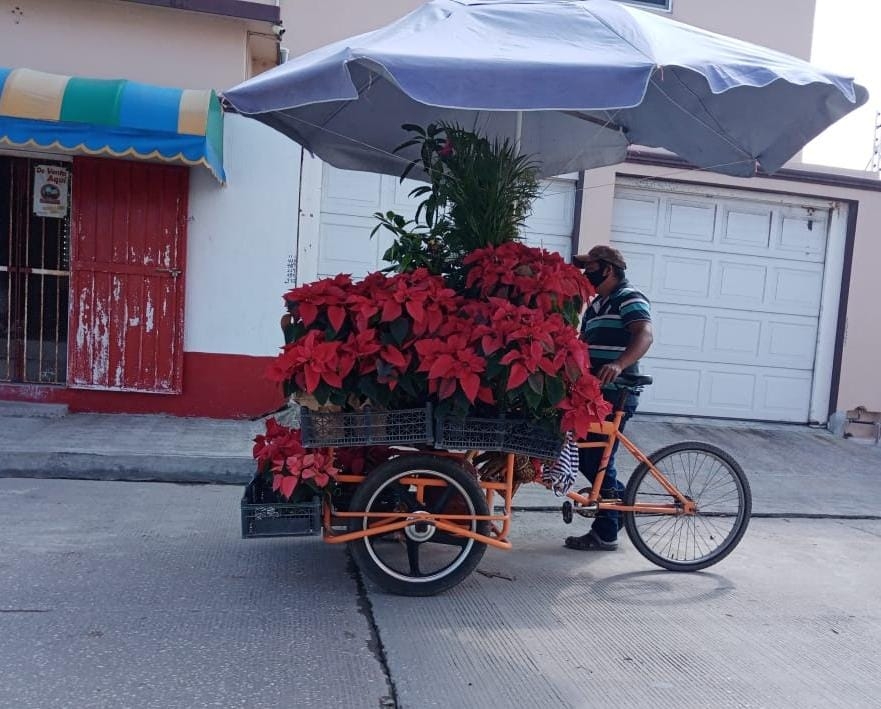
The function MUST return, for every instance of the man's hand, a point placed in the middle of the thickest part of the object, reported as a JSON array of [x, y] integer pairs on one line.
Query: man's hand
[[609, 373]]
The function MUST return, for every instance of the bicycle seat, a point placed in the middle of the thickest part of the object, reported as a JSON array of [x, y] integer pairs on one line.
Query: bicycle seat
[[632, 381]]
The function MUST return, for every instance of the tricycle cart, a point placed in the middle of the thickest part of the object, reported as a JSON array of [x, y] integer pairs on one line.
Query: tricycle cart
[[419, 523]]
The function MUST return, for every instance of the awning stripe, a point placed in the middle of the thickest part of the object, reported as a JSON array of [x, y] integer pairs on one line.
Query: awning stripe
[[33, 94], [111, 117], [193, 114]]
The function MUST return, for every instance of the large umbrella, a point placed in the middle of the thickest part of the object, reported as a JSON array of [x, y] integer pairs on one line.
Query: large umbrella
[[574, 81]]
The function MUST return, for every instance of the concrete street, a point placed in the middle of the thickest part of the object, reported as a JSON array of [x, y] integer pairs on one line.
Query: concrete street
[[120, 594]]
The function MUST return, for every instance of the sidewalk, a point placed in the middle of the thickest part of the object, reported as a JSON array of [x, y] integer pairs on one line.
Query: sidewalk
[[793, 470]]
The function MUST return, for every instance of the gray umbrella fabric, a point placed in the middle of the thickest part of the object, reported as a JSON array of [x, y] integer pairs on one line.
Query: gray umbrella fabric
[[575, 81]]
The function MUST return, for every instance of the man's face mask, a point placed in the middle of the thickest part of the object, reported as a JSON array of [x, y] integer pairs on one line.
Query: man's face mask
[[596, 277]]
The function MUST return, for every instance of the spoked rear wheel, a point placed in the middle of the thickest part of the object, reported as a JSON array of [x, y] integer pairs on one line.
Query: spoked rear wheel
[[714, 481], [420, 559]]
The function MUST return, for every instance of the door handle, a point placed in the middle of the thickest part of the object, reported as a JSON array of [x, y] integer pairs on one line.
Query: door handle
[[175, 272]]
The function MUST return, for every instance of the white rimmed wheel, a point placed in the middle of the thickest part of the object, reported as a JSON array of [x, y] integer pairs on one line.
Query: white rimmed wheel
[[420, 559], [710, 478]]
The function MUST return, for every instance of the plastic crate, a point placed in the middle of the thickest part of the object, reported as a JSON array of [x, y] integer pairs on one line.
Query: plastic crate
[[278, 519], [508, 435], [366, 428]]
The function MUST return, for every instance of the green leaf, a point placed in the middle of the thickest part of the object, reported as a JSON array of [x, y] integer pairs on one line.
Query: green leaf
[[536, 382], [322, 392], [413, 128], [399, 329], [556, 390], [533, 399]]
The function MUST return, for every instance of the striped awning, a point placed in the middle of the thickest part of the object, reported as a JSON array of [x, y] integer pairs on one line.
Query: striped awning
[[118, 118]]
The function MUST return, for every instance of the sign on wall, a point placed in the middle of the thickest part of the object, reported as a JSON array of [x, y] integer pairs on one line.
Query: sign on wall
[[51, 187]]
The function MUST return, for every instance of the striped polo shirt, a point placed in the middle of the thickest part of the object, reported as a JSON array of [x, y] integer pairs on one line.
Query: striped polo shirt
[[604, 325]]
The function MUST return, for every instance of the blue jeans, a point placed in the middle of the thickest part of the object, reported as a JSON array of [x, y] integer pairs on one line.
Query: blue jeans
[[605, 524]]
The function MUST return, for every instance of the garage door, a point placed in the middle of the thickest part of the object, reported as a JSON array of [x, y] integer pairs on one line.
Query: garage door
[[349, 200], [736, 283]]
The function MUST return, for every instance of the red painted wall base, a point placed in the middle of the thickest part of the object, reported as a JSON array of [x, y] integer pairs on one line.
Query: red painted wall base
[[214, 386]]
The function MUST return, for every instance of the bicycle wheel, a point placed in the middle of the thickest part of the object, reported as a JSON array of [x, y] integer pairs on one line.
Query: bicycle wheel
[[419, 560], [717, 485]]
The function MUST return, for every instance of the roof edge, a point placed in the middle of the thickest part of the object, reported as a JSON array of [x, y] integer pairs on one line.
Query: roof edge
[[830, 178], [241, 9]]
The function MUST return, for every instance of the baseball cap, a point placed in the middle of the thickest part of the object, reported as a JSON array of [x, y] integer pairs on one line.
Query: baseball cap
[[601, 253]]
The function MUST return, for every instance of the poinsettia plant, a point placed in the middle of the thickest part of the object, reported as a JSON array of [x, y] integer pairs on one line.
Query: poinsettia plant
[[506, 345], [295, 472]]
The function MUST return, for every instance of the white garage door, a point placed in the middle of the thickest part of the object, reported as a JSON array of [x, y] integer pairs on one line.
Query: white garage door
[[349, 200], [736, 283]]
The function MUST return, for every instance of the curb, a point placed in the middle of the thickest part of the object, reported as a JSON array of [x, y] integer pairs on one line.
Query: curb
[[130, 468]]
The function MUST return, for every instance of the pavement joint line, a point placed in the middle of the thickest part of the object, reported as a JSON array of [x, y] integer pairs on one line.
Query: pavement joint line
[[375, 644], [753, 515]]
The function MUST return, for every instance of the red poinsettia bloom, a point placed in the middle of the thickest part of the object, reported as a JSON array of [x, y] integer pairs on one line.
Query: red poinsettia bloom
[[582, 406], [451, 364], [281, 452], [328, 294]]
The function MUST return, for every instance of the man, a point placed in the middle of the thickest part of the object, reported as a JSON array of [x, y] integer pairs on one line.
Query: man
[[617, 327]]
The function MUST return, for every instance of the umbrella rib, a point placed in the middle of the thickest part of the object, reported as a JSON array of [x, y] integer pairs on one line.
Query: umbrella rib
[[597, 121], [717, 132]]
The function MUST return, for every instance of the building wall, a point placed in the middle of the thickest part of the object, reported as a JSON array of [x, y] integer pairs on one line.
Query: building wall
[[241, 238], [113, 39], [786, 25], [859, 381]]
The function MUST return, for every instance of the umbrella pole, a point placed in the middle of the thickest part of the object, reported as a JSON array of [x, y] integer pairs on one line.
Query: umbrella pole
[[518, 131]]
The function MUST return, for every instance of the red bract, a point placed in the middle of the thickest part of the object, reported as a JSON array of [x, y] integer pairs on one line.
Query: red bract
[[363, 347], [280, 452], [583, 405], [525, 275], [329, 294], [311, 360], [451, 364]]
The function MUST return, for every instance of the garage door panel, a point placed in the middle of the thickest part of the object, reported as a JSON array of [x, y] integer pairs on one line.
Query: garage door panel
[[730, 391], [350, 192], [802, 237], [691, 220], [550, 242], [740, 284], [784, 393], [679, 333], [681, 277], [735, 339], [796, 289], [745, 229], [635, 215], [676, 388], [790, 344], [554, 211], [401, 201], [345, 246], [719, 336], [726, 391]]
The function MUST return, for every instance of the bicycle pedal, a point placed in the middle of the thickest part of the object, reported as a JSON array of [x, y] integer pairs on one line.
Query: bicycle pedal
[[567, 512]]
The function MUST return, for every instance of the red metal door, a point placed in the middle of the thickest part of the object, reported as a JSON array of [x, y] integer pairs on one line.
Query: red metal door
[[127, 276]]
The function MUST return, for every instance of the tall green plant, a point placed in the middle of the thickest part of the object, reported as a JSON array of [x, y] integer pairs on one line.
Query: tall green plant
[[479, 194]]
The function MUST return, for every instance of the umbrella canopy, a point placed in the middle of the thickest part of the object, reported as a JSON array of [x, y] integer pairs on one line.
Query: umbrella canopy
[[575, 81]]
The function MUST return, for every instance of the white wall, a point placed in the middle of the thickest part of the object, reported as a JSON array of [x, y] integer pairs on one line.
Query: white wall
[[239, 241], [112, 39]]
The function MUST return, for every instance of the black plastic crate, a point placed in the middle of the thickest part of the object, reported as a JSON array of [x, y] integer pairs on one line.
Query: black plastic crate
[[278, 519], [366, 428], [508, 435]]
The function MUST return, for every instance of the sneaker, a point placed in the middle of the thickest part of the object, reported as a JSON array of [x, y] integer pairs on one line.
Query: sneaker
[[589, 542]]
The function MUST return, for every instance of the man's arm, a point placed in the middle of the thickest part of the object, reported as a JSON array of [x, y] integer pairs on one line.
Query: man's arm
[[641, 339]]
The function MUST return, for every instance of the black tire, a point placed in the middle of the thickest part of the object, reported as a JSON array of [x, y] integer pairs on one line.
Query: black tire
[[419, 560], [716, 483]]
